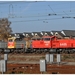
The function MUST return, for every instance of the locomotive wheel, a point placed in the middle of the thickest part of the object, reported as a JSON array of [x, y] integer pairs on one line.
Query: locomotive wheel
[[20, 51], [36, 52], [71, 52], [62, 51], [15, 52], [31, 51], [44, 51], [68, 52], [40, 51], [23, 51], [12, 52], [0, 52]]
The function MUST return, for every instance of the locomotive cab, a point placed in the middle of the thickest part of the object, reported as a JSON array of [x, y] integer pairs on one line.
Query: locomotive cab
[[11, 42]]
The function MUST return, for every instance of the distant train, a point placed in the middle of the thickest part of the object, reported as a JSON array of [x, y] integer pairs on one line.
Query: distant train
[[44, 44]]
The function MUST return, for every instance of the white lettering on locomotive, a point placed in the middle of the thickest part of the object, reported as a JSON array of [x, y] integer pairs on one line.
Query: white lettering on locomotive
[[46, 43], [63, 44]]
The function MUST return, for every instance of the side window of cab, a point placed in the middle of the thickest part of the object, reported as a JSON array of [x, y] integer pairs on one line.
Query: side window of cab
[[46, 39]]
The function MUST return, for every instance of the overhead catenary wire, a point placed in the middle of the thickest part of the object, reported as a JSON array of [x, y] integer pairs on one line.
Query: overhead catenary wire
[[52, 9], [50, 14], [7, 2], [41, 15], [65, 13], [37, 20], [11, 12], [70, 6]]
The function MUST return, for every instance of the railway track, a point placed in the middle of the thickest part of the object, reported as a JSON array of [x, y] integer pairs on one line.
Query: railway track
[[37, 53], [20, 63], [35, 69], [18, 58]]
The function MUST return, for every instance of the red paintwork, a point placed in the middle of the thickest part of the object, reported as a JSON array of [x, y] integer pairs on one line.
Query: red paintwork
[[41, 44], [63, 43], [11, 45], [54, 43]]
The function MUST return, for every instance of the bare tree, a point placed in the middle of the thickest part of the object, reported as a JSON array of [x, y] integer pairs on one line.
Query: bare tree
[[5, 29]]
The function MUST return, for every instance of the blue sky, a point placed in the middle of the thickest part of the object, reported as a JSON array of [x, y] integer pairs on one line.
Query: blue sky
[[34, 16]]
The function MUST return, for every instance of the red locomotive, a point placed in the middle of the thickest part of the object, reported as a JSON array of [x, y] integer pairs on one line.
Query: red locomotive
[[54, 44]]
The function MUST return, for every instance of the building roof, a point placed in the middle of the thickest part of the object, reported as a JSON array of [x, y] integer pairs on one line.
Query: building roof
[[38, 33], [55, 32], [19, 35], [48, 33], [28, 34], [12, 35], [69, 32], [59, 32]]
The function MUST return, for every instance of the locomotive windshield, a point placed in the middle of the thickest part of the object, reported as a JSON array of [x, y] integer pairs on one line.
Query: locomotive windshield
[[10, 40], [36, 39], [18, 39], [46, 39]]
